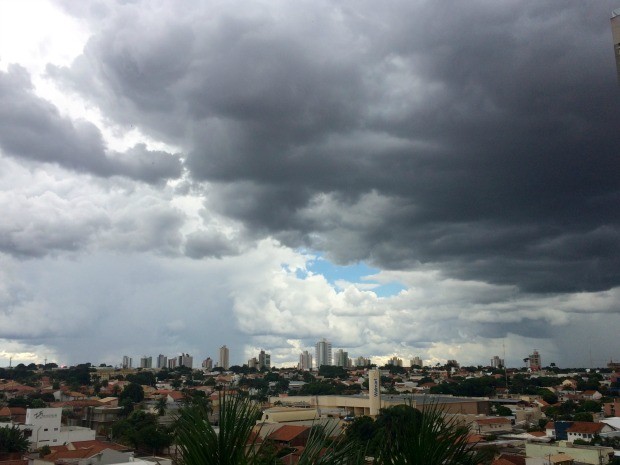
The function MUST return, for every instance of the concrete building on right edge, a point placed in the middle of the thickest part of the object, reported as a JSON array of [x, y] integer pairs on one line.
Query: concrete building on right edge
[[615, 32]]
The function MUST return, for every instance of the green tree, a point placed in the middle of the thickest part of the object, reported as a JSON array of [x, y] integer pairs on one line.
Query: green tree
[[583, 416], [133, 392], [503, 411], [142, 431], [43, 451], [411, 437], [12, 439]]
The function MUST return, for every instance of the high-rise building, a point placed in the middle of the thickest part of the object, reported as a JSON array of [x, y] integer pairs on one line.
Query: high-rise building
[[162, 361], [224, 357], [341, 358], [146, 362], [362, 362], [497, 362], [127, 362], [186, 360], [417, 362], [264, 360], [305, 361], [535, 361], [253, 363], [395, 361], [323, 353], [172, 363], [207, 364], [615, 33]]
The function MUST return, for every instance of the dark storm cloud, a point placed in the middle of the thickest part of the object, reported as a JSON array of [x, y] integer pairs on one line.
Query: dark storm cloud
[[209, 244], [486, 132], [32, 128]]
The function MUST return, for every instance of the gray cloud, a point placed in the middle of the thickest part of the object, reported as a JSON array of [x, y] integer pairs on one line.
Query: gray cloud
[[488, 127], [33, 128], [468, 150]]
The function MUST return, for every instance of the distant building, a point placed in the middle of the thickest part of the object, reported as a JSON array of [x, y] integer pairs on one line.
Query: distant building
[[172, 363], [264, 360], [127, 362], [323, 353], [253, 363], [497, 362], [146, 362], [207, 364], [535, 361], [162, 361], [186, 360], [362, 362], [341, 358], [615, 32], [305, 361], [614, 366], [224, 357], [416, 362]]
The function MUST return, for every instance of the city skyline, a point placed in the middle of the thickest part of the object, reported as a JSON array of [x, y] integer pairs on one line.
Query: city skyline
[[413, 179]]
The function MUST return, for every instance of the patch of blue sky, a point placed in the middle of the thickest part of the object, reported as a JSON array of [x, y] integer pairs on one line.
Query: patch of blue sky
[[358, 273]]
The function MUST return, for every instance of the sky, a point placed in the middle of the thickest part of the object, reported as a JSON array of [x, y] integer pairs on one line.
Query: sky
[[408, 178]]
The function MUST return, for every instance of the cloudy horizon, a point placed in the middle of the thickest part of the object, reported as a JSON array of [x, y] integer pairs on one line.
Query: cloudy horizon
[[433, 179]]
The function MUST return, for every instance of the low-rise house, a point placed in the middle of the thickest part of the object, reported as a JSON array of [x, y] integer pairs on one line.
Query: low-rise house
[[491, 425], [290, 436], [14, 414], [85, 453], [591, 395], [586, 430]]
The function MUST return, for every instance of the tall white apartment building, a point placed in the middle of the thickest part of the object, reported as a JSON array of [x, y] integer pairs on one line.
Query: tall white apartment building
[[305, 361], [497, 362], [127, 362], [207, 364], [323, 353], [186, 360], [264, 360], [162, 361], [341, 358], [417, 362], [224, 357], [535, 361]]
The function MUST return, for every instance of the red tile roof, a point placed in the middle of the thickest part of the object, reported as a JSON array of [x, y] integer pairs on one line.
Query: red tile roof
[[513, 459], [287, 433], [492, 421], [585, 427]]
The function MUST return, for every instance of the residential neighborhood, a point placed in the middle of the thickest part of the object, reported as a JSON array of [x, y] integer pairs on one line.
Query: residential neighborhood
[[87, 415]]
